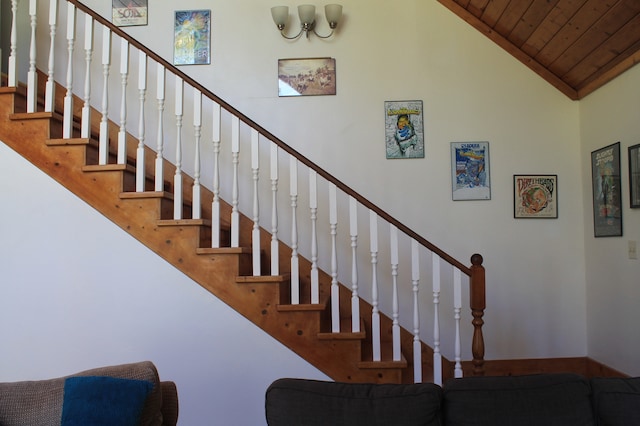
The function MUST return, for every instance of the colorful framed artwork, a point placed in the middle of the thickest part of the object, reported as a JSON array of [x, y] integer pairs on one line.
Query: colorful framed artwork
[[127, 13], [607, 194], [404, 129], [535, 196], [306, 77], [634, 176], [192, 37], [470, 171]]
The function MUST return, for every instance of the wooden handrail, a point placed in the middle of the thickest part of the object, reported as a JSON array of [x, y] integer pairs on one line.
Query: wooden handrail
[[246, 120], [475, 272]]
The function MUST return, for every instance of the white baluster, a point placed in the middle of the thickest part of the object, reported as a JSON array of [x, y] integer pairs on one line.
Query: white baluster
[[255, 232], [415, 282], [32, 81], [104, 121], [159, 176], [196, 212], [353, 232], [437, 355], [275, 252], [122, 133], [395, 327], [177, 178], [141, 164], [50, 86], [85, 128], [457, 307], [235, 153], [215, 204], [335, 288], [13, 59], [313, 208], [293, 193], [375, 314], [68, 99]]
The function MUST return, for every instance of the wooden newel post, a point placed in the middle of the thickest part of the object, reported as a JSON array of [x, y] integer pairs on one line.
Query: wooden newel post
[[478, 305]]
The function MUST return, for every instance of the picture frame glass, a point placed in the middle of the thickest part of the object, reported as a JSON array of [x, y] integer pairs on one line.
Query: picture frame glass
[[607, 194], [535, 196], [634, 176], [470, 171], [127, 13], [404, 129], [192, 37], [306, 77]]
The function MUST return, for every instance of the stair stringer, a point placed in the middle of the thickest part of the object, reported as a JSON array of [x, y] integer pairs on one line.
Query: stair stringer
[[217, 270]]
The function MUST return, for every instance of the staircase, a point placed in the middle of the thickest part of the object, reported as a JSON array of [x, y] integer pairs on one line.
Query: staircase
[[165, 220]]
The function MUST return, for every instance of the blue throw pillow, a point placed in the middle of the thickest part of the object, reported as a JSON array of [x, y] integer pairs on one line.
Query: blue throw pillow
[[103, 401]]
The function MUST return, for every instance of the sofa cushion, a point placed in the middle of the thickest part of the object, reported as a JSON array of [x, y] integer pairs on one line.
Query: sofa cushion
[[319, 403], [103, 401], [40, 402], [534, 400], [616, 401]]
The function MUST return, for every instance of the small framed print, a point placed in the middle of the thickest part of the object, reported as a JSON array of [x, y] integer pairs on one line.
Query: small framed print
[[127, 13], [192, 37], [306, 77], [634, 176], [607, 194], [404, 129], [470, 177], [535, 196]]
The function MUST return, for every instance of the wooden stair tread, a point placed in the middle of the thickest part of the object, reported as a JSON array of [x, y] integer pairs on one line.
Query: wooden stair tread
[[69, 141], [184, 222], [108, 168], [223, 250], [146, 194], [247, 279], [345, 332]]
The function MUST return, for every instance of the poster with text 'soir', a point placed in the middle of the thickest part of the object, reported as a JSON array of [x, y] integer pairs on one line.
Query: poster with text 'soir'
[[126, 13]]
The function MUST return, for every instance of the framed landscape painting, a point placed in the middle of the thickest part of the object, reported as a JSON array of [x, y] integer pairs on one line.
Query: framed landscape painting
[[607, 194]]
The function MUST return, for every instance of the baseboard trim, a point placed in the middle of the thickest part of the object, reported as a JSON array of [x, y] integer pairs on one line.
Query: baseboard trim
[[519, 367]]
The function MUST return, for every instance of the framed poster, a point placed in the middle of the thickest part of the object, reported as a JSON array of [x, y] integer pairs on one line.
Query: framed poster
[[607, 195], [470, 171], [535, 196], [634, 175], [404, 129], [192, 37], [306, 77], [126, 13]]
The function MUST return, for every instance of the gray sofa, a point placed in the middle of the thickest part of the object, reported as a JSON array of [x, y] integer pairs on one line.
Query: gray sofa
[[123, 395], [534, 400]]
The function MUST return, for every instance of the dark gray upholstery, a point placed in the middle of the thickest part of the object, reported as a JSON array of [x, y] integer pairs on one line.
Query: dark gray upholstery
[[546, 399], [616, 401], [534, 400], [297, 402]]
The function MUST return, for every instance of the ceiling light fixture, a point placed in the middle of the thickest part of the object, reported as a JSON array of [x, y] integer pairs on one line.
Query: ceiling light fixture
[[307, 14]]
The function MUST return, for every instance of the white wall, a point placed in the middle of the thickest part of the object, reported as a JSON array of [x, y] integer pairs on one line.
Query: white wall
[[610, 115], [77, 292], [472, 90]]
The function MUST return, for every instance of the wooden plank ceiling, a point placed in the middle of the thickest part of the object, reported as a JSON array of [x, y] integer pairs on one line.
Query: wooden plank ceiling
[[576, 45]]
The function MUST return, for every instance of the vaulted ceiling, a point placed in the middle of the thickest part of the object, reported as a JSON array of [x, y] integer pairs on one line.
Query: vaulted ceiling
[[576, 45]]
